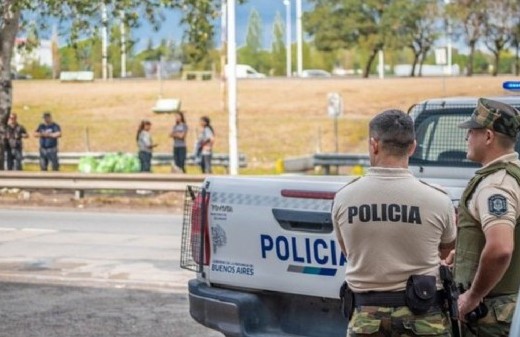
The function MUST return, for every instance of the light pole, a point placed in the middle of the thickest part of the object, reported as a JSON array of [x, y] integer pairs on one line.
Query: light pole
[[123, 45], [223, 53], [288, 39], [104, 41], [232, 87], [448, 38], [299, 36]]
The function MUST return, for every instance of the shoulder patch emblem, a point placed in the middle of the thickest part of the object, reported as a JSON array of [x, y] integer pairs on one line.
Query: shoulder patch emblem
[[497, 205]]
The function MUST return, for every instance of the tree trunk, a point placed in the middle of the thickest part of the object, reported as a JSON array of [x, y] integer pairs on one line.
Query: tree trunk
[[497, 62], [371, 59], [421, 62], [8, 32], [423, 59], [471, 57], [517, 57], [416, 56]]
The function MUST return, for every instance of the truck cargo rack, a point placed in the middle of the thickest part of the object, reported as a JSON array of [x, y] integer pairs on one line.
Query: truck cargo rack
[[187, 259]]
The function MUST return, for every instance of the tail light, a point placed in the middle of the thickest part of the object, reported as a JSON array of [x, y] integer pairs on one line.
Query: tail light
[[200, 249]]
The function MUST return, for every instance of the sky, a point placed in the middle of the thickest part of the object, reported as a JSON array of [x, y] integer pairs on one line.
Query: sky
[[170, 28]]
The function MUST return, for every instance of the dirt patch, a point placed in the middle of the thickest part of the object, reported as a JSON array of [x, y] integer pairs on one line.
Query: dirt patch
[[171, 202]]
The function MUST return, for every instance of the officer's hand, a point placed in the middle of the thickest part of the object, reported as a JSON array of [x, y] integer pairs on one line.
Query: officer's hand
[[449, 259], [467, 302]]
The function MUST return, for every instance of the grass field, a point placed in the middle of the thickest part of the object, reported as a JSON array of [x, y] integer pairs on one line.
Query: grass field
[[277, 117]]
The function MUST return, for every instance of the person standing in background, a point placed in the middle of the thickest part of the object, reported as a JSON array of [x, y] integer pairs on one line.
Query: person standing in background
[[180, 129], [145, 145], [205, 144], [48, 132], [14, 133]]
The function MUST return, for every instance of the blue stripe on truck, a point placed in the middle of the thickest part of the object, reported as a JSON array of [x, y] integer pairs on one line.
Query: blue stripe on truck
[[312, 270]]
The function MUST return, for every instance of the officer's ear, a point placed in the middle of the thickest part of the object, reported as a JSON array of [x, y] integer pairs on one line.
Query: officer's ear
[[412, 147], [373, 145], [490, 136]]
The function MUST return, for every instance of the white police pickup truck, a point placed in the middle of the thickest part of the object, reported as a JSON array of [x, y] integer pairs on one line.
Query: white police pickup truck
[[263, 248]]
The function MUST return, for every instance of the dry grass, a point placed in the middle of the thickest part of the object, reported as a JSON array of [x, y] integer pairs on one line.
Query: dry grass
[[277, 117]]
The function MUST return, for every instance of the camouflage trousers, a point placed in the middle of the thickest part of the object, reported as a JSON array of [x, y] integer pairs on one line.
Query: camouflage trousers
[[397, 322], [498, 320]]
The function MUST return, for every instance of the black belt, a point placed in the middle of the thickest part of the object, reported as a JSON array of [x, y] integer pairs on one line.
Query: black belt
[[385, 298]]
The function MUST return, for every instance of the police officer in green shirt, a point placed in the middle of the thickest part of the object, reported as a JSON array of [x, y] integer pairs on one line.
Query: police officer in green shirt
[[487, 265]]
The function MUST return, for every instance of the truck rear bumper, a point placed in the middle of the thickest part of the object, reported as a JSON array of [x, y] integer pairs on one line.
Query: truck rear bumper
[[238, 313], [224, 310]]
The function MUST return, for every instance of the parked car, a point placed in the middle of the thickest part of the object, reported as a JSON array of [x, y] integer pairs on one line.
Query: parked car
[[245, 71]]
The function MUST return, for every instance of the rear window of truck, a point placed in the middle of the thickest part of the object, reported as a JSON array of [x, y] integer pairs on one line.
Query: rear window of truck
[[440, 142]]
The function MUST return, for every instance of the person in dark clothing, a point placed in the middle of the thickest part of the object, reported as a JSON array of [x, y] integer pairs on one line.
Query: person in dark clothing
[[180, 129], [48, 132], [14, 133]]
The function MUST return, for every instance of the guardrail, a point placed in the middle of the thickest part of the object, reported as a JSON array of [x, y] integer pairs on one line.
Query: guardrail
[[72, 158], [81, 182], [326, 160]]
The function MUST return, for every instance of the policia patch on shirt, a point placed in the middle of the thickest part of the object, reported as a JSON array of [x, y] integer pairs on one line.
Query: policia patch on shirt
[[497, 205]]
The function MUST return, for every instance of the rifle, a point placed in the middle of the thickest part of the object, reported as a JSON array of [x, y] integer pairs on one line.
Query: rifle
[[451, 293]]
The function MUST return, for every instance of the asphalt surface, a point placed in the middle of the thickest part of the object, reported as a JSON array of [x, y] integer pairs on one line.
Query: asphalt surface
[[138, 250], [93, 274]]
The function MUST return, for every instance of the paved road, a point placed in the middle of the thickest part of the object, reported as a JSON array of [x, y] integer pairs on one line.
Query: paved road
[[136, 250], [93, 274]]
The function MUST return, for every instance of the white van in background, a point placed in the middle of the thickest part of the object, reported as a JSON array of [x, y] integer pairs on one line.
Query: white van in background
[[245, 71]]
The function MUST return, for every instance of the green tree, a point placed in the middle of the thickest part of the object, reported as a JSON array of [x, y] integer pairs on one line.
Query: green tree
[[279, 52], [418, 30], [469, 17], [115, 48], [516, 45], [250, 53], [499, 27], [368, 24], [82, 56], [254, 35], [36, 70]]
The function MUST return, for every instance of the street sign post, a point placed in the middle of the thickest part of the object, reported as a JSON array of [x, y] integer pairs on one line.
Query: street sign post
[[335, 110]]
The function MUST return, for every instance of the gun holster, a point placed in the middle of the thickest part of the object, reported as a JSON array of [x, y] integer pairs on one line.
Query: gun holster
[[347, 301]]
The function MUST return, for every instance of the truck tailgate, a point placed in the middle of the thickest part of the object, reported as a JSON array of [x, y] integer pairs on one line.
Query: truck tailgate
[[276, 236]]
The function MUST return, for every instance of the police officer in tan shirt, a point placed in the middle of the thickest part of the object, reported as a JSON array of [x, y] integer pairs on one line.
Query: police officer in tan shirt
[[487, 264], [391, 226]]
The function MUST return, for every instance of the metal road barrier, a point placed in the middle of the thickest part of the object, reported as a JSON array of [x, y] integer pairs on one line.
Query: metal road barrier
[[72, 158], [80, 182], [326, 160]]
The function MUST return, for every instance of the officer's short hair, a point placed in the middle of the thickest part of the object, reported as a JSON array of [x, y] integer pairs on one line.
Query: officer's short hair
[[395, 130], [506, 142]]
